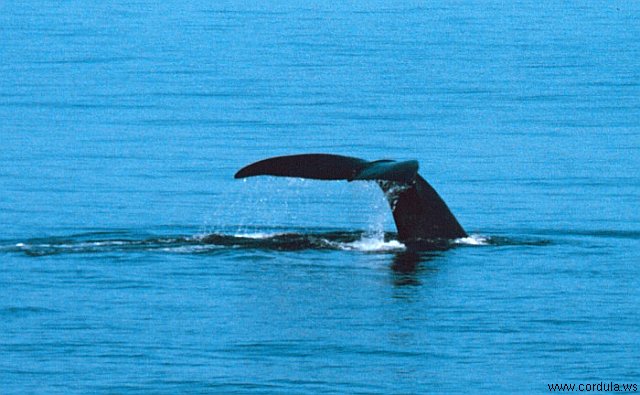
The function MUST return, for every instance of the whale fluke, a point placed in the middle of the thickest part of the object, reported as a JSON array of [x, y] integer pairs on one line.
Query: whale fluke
[[418, 211], [315, 166]]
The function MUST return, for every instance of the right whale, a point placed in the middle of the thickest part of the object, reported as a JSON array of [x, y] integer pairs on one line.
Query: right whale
[[418, 211]]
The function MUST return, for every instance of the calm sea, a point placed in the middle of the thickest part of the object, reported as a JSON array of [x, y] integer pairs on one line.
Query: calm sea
[[122, 124]]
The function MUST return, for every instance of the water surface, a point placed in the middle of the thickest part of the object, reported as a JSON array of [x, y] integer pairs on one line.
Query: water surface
[[123, 124]]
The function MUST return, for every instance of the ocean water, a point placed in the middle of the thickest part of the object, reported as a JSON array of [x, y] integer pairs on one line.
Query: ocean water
[[131, 261]]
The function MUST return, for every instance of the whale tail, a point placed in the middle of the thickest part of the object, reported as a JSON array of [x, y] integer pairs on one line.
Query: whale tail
[[418, 211]]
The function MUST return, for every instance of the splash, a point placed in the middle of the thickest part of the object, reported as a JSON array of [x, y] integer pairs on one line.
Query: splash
[[372, 243], [472, 240]]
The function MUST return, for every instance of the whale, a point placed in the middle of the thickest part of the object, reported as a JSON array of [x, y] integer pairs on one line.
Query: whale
[[419, 213]]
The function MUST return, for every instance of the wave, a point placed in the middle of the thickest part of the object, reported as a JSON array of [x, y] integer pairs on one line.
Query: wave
[[335, 240], [217, 242]]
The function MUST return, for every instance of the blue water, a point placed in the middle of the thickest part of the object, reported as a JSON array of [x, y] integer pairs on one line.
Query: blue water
[[122, 124]]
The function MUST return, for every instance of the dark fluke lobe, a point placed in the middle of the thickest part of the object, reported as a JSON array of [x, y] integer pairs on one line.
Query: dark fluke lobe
[[418, 211]]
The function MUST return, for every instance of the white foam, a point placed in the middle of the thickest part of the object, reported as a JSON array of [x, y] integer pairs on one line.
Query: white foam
[[106, 243], [472, 240], [189, 249], [257, 235], [372, 244]]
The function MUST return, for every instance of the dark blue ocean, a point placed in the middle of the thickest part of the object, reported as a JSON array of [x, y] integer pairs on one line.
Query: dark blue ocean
[[123, 123]]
